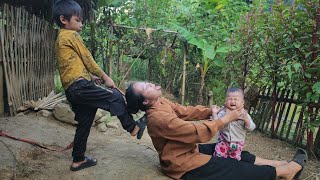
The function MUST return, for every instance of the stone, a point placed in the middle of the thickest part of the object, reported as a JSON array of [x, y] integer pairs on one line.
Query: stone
[[45, 113], [113, 124], [101, 127], [20, 114], [63, 113], [99, 114]]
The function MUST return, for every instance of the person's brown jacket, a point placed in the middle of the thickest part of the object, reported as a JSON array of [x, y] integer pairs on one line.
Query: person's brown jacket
[[175, 139]]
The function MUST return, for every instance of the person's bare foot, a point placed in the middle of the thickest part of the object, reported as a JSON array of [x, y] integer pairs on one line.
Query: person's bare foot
[[135, 131], [77, 164], [86, 163], [292, 169], [280, 163]]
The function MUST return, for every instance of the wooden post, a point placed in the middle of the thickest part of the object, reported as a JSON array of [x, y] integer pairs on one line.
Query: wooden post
[[317, 144], [184, 74], [210, 99], [110, 53], [110, 59], [1, 90]]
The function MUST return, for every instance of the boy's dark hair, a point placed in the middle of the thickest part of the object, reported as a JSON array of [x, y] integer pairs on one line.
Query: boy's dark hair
[[234, 89], [134, 100], [66, 8]]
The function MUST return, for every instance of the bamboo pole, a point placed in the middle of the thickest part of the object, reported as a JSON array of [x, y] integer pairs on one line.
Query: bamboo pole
[[1, 70], [128, 27], [184, 73], [1, 88]]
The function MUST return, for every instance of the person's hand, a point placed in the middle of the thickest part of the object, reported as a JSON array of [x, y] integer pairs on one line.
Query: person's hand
[[96, 79], [108, 81], [232, 115], [244, 115], [215, 109]]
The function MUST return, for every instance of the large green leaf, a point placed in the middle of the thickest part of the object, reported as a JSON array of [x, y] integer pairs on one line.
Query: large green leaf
[[316, 87]]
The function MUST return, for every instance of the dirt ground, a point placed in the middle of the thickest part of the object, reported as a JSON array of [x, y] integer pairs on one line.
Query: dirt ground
[[119, 155]]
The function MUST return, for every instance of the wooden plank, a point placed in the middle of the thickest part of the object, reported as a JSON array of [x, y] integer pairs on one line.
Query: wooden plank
[[262, 108], [1, 64], [282, 108], [285, 121], [254, 110], [297, 133], [269, 117], [291, 122], [1, 87]]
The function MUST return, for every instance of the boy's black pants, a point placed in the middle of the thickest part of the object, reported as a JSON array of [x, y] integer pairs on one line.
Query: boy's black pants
[[85, 98], [219, 168]]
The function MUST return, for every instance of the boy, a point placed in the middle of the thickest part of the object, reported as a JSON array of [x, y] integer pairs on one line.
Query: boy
[[78, 72], [231, 137]]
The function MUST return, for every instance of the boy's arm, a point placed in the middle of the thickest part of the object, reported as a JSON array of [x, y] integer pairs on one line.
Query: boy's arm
[[88, 60]]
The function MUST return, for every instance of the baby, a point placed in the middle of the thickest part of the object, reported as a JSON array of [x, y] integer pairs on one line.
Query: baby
[[231, 137]]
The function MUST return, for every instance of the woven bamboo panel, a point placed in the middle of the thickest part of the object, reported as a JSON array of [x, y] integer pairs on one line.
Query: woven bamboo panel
[[27, 53]]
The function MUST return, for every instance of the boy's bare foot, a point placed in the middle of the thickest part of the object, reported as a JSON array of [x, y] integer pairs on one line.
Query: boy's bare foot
[[87, 162], [77, 164]]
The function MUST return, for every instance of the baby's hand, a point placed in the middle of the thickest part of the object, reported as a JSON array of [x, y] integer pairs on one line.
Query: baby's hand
[[215, 109]]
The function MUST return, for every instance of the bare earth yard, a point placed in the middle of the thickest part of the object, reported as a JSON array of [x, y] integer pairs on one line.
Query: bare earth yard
[[119, 155]]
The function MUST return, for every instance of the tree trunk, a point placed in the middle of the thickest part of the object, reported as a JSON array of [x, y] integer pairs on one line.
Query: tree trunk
[[317, 144], [118, 62], [104, 57], [184, 73], [200, 96], [110, 59], [93, 39], [274, 102], [149, 70], [312, 117], [1, 90]]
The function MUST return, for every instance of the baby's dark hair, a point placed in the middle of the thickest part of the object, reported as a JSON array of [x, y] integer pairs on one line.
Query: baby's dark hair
[[235, 89], [66, 8], [134, 100]]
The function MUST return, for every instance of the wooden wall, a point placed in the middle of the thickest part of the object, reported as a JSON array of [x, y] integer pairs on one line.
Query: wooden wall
[[27, 55]]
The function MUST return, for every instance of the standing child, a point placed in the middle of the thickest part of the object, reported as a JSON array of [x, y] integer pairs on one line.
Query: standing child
[[78, 72], [231, 138]]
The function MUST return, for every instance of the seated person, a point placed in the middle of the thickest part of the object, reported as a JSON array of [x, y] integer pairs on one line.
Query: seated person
[[176, 141]]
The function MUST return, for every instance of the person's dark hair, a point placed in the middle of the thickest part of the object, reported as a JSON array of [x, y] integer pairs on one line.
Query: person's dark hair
[[234, 89], [66, 8], [134, 100]]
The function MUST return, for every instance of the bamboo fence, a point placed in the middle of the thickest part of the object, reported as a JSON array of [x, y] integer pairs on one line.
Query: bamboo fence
[[27, 55], [290, 120]]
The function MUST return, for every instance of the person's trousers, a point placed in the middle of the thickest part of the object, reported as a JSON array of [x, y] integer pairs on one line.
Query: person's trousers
[[219, 168], [85, 98]]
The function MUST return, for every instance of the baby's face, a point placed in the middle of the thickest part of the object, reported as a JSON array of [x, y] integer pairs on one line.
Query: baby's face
[[234, 100]]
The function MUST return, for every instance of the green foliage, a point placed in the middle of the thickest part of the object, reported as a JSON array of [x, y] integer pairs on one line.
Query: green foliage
[[280, 47], [229, 43]]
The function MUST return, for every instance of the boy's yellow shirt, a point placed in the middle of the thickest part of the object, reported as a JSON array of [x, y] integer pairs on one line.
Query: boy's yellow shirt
[[74, 59]]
